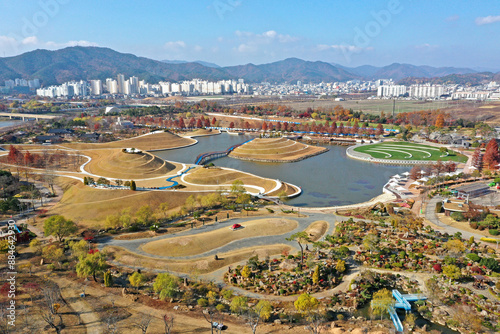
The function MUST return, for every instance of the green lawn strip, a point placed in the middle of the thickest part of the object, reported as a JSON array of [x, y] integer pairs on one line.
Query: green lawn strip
[[418, 152]]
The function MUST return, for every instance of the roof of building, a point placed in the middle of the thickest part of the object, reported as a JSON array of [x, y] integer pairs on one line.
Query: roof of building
[[60, 131], [472, 187]]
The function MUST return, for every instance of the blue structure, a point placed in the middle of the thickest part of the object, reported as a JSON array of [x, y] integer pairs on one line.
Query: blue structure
[[395, 319], [174, 183], [206, 157], [402, 302]]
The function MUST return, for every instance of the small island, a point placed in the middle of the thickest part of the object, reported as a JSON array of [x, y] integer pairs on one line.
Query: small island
[[275, 150]]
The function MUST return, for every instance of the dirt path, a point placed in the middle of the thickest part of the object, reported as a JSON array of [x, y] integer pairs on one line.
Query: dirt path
[[87, 315]]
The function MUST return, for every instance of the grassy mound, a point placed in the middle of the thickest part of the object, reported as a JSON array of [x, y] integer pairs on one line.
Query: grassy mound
[[120, 165], [201, 265], [89, 206], [204, 242], [317, 229], [275, 149], [409, 151], [219, 176], [155, 141]]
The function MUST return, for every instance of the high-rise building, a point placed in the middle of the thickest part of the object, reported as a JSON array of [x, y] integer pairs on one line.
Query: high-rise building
[[111, 86], [426, 91], [120, 79], [391, 90], [96, 87], [134, 85]]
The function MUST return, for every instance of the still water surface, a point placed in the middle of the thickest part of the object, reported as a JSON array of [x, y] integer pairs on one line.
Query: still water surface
[[328, 179]]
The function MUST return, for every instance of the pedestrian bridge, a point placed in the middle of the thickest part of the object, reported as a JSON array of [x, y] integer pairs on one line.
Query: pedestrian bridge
[[209, 156]]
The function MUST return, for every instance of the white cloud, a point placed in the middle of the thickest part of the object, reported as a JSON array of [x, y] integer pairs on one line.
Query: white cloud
[[175, 46], [487, 20], [198, 48], [251, 42], [32, 40], [12, 46], [452, 18]]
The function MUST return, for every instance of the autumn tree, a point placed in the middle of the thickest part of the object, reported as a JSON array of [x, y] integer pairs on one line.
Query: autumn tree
[[261, 311], [91, 265], [491, 155], [452, 272], [166, 285], [306, 303], [300, 238], [380, 129], [382, 302], [181, 123], [239, 304], [476, 158], [137, 279], [439, 121], [59, 226], [370, 242]]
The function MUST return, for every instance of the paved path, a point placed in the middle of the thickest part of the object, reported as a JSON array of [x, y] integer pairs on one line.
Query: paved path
[[303, 223], [87, 315], [430, 214]]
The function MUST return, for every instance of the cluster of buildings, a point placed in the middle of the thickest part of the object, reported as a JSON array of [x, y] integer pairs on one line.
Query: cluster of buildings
[[132, 86], [322, 88], [20, 86], [428, 91], [135, 87]]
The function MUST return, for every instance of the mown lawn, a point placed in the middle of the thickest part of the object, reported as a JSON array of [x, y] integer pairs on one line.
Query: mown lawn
[[409, 151]]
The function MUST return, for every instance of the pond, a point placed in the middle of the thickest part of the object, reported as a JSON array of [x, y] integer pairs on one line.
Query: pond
[[328, 179]]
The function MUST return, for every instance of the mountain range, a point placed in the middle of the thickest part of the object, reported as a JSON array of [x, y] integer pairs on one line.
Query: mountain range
[[86, 63]]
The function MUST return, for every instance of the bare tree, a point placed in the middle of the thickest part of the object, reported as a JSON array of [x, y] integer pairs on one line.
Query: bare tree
[[315, 322], [49, 305], [212, 316], [144, 323], [168, 320]]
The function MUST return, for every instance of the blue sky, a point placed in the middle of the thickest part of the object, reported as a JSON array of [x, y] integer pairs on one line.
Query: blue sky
[[231, 32]]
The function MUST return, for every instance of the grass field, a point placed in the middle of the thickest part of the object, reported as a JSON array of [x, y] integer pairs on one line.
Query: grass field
[[155, 141], [219, 176], [409, 151], [275, 149], [204, 242], [89, 206], [372, 106]]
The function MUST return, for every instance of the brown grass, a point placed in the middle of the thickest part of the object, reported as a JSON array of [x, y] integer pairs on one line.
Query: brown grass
[[275, 149], [201, 132], [156, 141], [198, 266], [89, 207], [285, 187], [317, 229], [120, 165], [204, 242], [219, 176]]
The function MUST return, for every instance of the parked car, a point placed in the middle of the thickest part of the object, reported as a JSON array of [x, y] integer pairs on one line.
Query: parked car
[[235, 227]]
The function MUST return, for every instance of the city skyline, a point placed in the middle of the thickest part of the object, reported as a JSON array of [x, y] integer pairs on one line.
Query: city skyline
[[239, 32]]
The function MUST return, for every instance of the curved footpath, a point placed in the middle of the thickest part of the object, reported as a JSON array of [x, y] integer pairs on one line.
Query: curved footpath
[[430, 215], [303, 223]]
